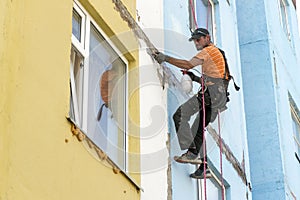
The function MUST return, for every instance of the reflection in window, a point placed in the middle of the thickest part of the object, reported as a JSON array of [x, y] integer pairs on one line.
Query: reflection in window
[[107, 98]]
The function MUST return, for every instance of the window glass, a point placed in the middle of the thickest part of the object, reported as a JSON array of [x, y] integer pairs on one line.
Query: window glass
[[107, 98], [76, 82], [295, 113], [210, 18], [284, 17], [206, 13], [76, 25], [296, 131], [192, 15], [213, 189]]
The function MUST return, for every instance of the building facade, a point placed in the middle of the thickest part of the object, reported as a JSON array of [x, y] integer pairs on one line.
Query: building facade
[[86, 112]]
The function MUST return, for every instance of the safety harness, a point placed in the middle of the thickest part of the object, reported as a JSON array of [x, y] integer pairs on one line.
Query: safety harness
[[227, 72]]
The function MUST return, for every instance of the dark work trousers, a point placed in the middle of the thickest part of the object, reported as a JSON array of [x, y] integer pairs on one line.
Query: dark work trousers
[[192, 137]]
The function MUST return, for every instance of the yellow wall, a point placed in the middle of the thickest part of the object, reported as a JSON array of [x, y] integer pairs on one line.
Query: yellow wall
[[39, 156]]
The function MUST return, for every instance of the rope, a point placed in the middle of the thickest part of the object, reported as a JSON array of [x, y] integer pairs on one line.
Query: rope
[[193, 12], [203, 102], [203, 135], [221, 160], [203, 107]]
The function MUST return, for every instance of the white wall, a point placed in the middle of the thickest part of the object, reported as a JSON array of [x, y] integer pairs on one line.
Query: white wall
[[154, 126]]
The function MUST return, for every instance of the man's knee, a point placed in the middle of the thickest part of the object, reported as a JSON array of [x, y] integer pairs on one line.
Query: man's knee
[[177, 115]]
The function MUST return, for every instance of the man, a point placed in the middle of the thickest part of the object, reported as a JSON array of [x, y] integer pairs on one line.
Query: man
[[216, 79]]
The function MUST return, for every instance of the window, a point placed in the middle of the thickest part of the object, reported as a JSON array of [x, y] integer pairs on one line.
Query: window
[[213, 188], [192, 15], [205, 13], [296, 126], [283, 12], [98, 85]]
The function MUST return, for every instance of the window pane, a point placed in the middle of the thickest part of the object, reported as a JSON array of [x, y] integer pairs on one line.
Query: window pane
[[213, 189], [76, 25], [201, 13], [192, 15], [296, 131], [76, 81], [106, 90], [295, 123], [284, 20], [206, 16], [210, 21]]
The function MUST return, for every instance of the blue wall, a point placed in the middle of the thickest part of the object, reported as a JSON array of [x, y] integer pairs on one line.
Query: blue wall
[[269, 64]]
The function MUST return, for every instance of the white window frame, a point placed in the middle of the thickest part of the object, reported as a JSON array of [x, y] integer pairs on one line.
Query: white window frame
[[83, 48], [284, 23]]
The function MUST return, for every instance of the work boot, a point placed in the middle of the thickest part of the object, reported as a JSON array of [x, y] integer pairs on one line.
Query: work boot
[[188, 157], [199, 173]]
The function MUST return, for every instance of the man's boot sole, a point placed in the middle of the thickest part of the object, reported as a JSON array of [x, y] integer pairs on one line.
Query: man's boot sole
[[201, 177], [196, 162]]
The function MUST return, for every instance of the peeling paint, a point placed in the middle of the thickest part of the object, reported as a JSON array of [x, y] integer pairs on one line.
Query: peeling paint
[[102, 156], [169, 171], [164, 74], [229, 155]]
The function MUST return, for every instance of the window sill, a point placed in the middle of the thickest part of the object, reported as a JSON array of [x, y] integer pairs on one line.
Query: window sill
[[82, 136]]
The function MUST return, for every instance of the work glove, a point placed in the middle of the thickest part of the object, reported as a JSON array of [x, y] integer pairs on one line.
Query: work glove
[[192, 75], [160, 57]]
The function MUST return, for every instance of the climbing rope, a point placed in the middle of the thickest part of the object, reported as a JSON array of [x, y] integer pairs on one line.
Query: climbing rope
[[204, 116], [203, 110], [204, 120], [203, 135], [221, 160], [219, 121], [193, 13]]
